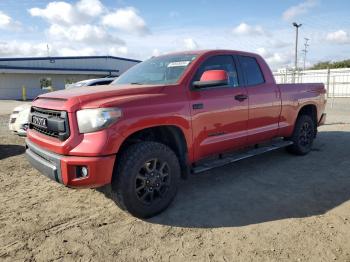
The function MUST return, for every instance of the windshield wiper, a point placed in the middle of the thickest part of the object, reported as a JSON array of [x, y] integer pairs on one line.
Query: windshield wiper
[[136, 83]]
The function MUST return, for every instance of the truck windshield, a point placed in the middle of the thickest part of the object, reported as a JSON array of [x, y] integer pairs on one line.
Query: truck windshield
[[157, 70]]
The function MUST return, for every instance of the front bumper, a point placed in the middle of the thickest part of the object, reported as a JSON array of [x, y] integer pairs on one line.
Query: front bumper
[[63, 169]]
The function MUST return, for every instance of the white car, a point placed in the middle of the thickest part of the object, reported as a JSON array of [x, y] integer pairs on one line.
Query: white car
[[92, 82], [19, 119]]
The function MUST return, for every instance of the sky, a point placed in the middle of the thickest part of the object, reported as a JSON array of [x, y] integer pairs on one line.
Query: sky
[[141, 29]]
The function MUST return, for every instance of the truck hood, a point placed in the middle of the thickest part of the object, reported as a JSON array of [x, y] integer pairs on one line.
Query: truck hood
[[94, 96]]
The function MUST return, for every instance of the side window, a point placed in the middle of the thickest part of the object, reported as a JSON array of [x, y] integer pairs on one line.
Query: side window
[[220, 62], [251, 70]]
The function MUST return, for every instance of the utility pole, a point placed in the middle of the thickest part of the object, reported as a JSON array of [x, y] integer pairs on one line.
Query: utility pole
[[306, 45], [296, 48], [296, 44]]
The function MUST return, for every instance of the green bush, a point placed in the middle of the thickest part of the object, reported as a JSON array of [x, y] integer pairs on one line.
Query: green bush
[[331, 65]]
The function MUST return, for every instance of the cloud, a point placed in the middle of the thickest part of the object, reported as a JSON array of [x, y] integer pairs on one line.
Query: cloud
[[298, 10], [87, 27], [338, 37], [126, 19], [14, 48], [278, 43], [89, 34], [91, 8], [68, 14], [32, 49], [118, 51], [190, 44], [56, 12], [274, 59], [156, 52], [67, 51], [245, 29], [6, 22]]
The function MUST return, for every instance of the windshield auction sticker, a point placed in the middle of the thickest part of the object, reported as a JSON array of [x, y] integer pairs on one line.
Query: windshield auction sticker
[[179, 63]]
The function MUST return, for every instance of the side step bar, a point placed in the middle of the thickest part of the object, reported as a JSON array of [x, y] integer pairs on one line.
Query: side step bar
[[231, 158]]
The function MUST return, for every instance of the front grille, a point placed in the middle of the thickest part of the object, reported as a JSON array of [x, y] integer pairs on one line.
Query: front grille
[[56, 122], [45, 131], [47, 112]]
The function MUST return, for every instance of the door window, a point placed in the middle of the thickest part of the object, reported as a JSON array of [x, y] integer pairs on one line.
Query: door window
[[251, 70], [220, 62]]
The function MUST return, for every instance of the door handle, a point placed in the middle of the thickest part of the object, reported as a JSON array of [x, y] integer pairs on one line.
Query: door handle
[[197, 106], [241, 97]]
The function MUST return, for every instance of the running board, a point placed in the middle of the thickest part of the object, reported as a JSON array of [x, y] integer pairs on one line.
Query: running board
[[239, 156]]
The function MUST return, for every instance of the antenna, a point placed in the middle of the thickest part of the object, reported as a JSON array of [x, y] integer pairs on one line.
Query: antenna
[[52, 60], [48, 50]]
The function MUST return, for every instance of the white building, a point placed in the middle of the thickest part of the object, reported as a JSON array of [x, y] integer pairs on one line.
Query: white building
[[37, 73]]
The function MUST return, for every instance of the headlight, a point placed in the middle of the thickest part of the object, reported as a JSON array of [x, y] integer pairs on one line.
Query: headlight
[[92, 120]]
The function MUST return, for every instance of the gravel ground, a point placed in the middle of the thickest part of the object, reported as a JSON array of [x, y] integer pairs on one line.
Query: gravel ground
[[7, 106], [273, 207]]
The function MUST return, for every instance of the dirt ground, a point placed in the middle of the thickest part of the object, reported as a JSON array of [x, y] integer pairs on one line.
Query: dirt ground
[[274, 207]]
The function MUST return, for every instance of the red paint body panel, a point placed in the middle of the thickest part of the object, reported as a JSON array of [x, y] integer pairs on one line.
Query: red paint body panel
[[100, 171], [223, 124]]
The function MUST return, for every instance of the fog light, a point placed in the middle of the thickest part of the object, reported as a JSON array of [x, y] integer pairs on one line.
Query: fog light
[[82, 171]]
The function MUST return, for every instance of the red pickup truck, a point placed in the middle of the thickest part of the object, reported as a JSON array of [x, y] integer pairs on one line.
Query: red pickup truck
[[166, 118]]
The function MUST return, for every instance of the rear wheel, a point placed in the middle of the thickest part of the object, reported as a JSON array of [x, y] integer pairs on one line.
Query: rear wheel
[[303, 136], [146, 179]]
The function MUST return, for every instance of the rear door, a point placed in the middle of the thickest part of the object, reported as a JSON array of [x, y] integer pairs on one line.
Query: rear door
[[264, 102], [219, 121]]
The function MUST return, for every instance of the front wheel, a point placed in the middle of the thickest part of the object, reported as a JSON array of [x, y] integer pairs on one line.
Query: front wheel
[[146, 179], [303, 136]]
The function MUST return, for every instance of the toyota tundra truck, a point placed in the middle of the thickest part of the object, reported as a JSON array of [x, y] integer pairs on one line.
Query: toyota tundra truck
[[166, 118]]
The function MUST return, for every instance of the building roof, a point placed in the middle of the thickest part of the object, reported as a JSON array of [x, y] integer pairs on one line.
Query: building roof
[[96, 65], [51, 58]]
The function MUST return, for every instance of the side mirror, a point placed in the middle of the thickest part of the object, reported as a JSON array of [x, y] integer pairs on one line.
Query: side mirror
[[212, 78]]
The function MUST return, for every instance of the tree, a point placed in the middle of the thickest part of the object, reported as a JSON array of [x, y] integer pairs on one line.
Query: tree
[[331, 65]]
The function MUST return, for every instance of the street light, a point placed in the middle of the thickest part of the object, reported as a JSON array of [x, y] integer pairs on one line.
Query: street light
[[296, 44]]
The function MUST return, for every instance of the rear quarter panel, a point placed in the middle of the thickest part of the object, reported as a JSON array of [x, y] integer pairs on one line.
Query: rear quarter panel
[[294, 98]]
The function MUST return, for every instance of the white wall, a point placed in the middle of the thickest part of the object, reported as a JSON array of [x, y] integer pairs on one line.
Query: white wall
[[16, 72], [11, 84], [337, 81]]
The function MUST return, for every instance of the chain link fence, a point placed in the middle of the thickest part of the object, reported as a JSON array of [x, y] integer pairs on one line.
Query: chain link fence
[[336, 81]]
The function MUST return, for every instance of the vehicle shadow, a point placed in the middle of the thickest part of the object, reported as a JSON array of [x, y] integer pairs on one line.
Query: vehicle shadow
[[265, 188], [10, 150]]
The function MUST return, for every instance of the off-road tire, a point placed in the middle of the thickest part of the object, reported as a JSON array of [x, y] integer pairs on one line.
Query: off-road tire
[[134, 163], [303, 136]]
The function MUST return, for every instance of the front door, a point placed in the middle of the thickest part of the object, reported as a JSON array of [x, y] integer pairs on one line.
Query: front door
[[219, 114]]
